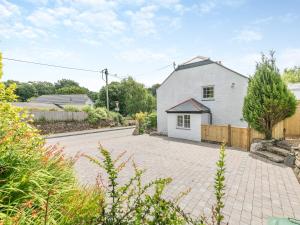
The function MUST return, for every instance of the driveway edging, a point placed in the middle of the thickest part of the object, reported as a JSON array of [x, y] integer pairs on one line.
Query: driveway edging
[[76, 133]]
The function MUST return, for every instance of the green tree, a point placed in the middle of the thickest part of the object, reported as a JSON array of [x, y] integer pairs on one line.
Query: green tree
[[43, 87], [65, 83], [153, 89], [93, 95], [115, 93], [132, 96], [72, 90], [268, 101], [291, 75], [25, 91]]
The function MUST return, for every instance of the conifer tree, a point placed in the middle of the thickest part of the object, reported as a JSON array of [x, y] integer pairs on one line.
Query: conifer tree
[[268, 101]]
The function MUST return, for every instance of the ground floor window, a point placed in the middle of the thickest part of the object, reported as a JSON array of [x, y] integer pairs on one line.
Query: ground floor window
[[183, 121], [187, 121]]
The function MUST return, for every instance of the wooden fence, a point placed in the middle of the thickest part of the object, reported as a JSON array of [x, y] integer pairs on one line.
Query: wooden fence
[[59, 116], [238, 137], [242, 137]]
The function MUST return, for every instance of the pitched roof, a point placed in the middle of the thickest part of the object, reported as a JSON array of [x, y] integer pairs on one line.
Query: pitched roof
[[199, 61], [189, 106], [195, 59], [33, 105], [81, 99]]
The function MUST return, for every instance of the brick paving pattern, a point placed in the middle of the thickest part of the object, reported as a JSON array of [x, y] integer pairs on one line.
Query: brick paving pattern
[[255, 189]]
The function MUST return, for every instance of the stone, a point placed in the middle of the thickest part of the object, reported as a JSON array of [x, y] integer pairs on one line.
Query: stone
[[256, 146], [268, 143], [297, 163], [289, 160], [136, 131], [297, 171]]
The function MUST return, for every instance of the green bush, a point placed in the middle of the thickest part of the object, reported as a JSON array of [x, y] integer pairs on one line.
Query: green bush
[[151, 121], [146, 122], [95, 115], [116, 117], [138, 203], [37, 184], [72, 108]]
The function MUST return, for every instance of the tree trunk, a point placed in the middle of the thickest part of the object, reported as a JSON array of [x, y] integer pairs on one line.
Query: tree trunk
[[268, 131]]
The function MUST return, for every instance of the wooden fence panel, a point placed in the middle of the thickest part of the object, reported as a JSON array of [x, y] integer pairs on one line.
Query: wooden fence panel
[[59, 115], [292, 124], [215, 133], [239, 137]]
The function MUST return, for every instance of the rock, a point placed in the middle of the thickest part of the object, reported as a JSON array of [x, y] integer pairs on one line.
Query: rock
[[257, 146], [268, 143], [289, 160], [297, 171], [297, 162], [136, 131]]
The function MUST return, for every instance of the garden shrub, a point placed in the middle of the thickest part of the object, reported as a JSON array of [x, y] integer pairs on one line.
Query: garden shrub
[[95, 115], [72, 108], [37, 184], [138, 203], [151, 121], [146, 122], [116, 117], [141, 118]]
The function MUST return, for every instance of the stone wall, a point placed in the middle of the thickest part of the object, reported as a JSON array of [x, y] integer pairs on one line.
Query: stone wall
[[68, 126], [297, 164]]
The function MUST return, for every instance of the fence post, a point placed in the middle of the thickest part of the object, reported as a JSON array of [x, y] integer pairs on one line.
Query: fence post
[[229, 135], [248, 138]]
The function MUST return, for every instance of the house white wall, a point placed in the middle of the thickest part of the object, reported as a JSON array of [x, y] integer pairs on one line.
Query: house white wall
[[183, 84], [194, 133]]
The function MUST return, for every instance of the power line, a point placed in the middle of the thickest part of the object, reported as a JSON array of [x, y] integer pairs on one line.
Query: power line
[[158, 69], [61, 67], [51, 65]]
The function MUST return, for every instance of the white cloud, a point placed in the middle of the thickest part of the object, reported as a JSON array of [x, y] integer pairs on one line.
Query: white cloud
[[42, 18], [248, 35], [8, 9], [288, 18], [264, 20], [142, 21], [207, 6], [142, 55]]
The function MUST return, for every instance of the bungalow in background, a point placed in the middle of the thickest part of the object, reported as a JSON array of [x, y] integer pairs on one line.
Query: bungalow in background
[[63, 100]]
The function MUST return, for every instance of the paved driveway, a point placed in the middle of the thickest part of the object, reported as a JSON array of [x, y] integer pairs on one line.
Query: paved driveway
[[255, 189]]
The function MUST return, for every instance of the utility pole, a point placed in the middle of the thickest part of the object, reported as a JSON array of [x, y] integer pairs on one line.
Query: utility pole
[[105, 72]]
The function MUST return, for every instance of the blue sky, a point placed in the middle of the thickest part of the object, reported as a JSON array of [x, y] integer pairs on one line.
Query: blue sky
[[139, 37]]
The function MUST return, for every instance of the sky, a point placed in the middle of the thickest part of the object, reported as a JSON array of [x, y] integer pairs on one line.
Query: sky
[[142, 38]]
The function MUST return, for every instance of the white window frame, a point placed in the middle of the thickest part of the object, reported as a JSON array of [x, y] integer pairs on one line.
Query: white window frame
[[185, 117], [208, 98], [177, 121]]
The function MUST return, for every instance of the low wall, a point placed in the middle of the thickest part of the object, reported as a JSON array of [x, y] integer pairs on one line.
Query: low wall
[[69, 126]]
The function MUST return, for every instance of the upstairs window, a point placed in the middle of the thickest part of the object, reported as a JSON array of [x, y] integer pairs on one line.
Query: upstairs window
[[208, 93]]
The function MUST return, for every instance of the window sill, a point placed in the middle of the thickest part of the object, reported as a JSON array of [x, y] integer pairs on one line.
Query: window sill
[[182, 128], [207, 99]]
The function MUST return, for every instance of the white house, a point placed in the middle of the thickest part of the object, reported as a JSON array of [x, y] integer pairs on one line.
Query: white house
[[200, 91], [295, 88]]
